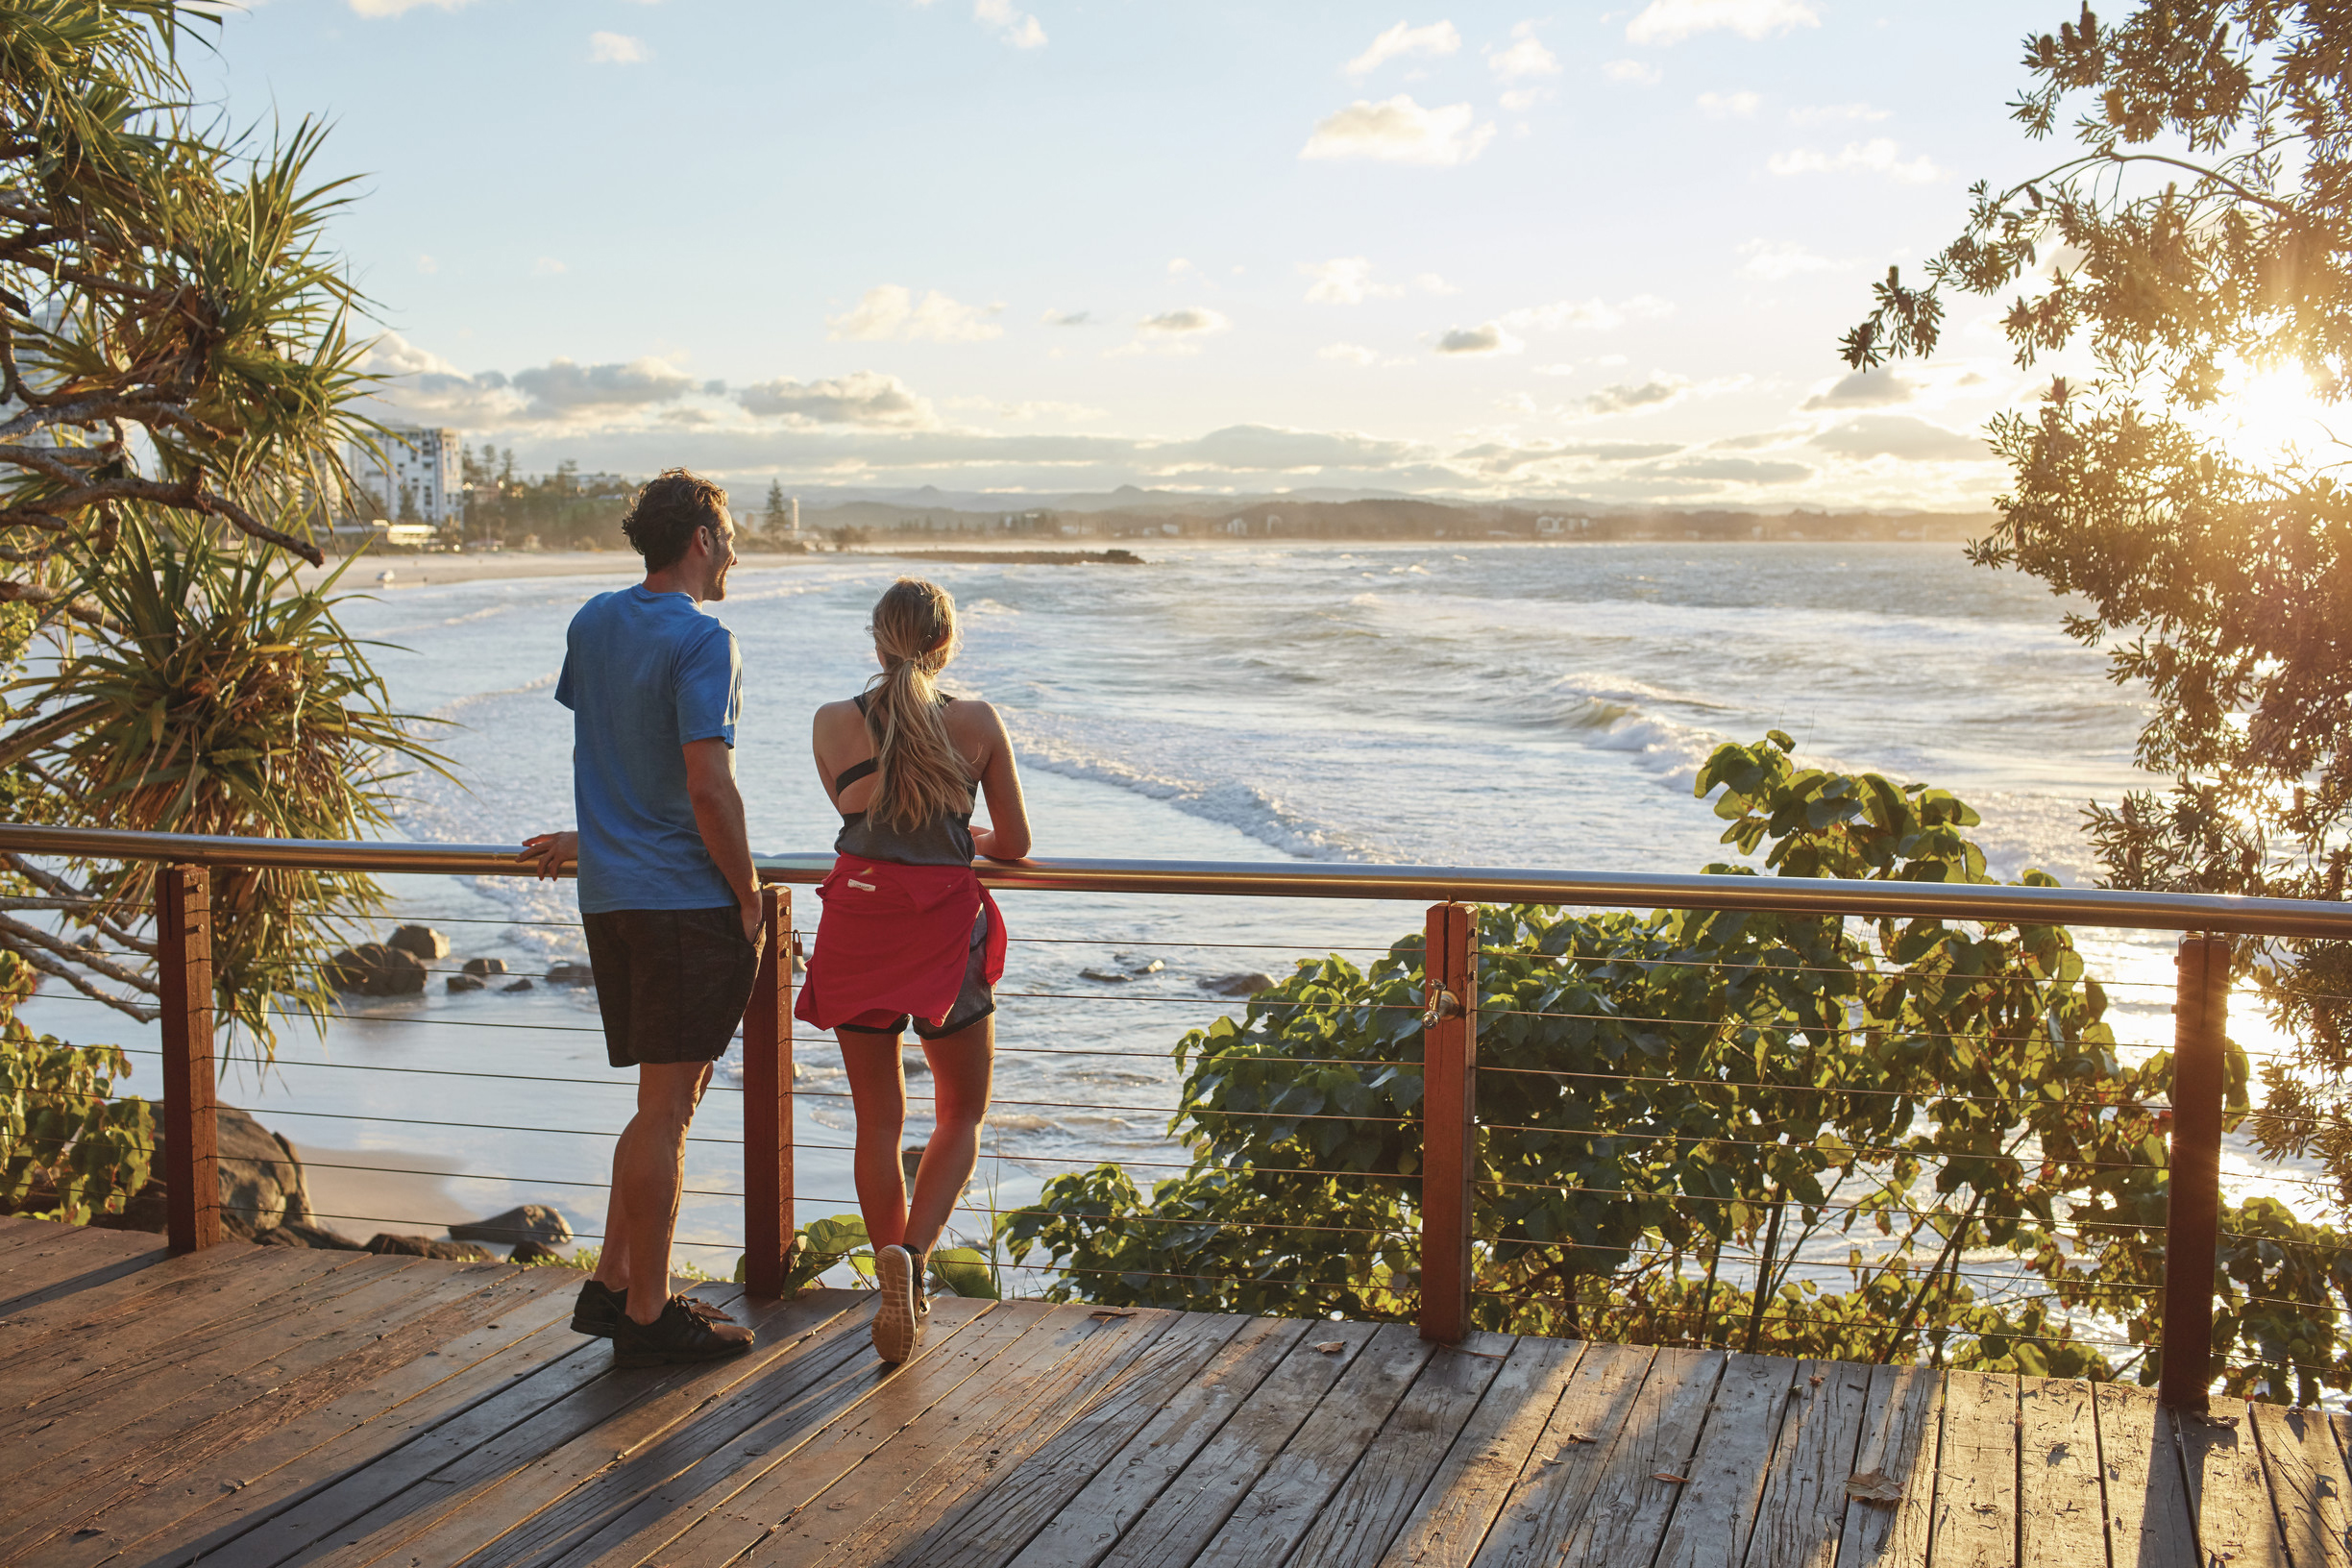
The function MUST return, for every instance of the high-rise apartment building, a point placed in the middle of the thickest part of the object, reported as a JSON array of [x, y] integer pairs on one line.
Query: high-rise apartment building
[[423, 468]]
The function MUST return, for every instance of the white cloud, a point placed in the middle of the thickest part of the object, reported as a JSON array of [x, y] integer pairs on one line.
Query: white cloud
[[1901, 435], [1179, 267], [1777, 260], [1644, 397], [1633, 72], [1345, 279], [1354, 354], [546, 267], [1595, 314], [1671, 21], [394, 7], [1437, 38], [1067, 318], [1834, 113], [427, 264], [1399, 130], [1520, 101], [1488, 339], [563, 387], [1526, 57], [891, 311], [1880, 155], [616, 49], [1016, 28], [1173, 332], [1428, 282], [1863, 389], [1189, 320], [864, 398], [1728, 106]]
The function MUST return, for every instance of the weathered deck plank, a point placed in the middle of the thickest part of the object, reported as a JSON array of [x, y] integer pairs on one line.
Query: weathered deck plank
[[1281, 1507], [1463, 1498], [2148, 1525], [1975, 1491], [1634, 1499], [2307, 1479], [1085, 1529], [1901, 1431], [1201, 1497], [247, 1406], [1018, 1503], [2062, 1512], [1353, 1530], [1802, 1510], [2228, 1495]]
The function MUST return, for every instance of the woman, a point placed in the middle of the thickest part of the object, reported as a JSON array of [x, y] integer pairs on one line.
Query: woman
[[908, 934]]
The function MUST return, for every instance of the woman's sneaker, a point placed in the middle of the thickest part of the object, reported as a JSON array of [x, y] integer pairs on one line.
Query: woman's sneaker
[[898, 1319], [681, 1333]]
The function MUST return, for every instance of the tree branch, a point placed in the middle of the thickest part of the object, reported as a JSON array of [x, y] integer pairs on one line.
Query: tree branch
[[51, 966], [87, 957], [58, 887]]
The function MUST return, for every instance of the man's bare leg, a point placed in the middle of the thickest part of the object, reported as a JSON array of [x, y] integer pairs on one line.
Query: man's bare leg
[[649, 1171], [612, 1261]]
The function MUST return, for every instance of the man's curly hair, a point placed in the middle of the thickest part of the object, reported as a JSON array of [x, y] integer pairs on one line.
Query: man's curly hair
[[661, 522]]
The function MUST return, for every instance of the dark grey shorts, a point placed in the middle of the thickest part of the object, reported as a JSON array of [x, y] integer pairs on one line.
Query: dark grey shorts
[[671, 983]]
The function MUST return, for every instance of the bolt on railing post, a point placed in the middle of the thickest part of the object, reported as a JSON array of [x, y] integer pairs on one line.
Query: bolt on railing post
[[768, 1104], [2193, 1196], [191, 1122], [1449, 1111]]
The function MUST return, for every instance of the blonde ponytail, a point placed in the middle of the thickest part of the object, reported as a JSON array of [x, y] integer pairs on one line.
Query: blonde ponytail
[[919, 772]]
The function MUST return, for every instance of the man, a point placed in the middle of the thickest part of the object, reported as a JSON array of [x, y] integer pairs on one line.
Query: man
[[666, 889]]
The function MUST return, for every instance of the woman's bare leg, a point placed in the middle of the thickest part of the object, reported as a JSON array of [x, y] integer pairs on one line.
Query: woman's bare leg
[[962, 1064], [877, 1093]]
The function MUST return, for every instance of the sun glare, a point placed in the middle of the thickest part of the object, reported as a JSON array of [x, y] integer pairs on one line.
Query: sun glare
[[2274, 416]]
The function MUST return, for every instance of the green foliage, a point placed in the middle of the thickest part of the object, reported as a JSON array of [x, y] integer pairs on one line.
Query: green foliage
[[69, 1147], [2197, 242], [1669, 1099], [822, 1243]]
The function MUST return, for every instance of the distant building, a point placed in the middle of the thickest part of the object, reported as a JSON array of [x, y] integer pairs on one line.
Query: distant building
[[1556, 527], [420, 470]]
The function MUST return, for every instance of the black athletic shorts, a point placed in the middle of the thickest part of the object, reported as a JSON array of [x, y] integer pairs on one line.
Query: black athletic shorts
[[671, 983]]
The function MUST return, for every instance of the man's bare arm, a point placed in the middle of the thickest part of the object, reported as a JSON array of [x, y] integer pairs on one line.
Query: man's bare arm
[[718, 816]]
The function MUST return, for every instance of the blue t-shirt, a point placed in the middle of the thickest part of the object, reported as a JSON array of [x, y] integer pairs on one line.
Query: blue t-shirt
[[644, 674]]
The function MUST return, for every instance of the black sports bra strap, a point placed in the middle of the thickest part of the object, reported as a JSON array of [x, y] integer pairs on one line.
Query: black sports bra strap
[[854, 772]]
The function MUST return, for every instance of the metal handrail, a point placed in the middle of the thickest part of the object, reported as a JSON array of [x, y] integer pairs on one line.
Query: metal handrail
[[1422, 884]]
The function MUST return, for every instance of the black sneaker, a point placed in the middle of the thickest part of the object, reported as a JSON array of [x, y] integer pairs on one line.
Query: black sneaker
[[681, 1333], [600, 1308]]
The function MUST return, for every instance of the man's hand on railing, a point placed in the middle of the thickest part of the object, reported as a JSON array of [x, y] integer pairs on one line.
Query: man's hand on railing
[[550, 852]]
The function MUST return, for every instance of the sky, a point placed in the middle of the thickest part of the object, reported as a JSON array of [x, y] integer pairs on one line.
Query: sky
[[1597, 252]]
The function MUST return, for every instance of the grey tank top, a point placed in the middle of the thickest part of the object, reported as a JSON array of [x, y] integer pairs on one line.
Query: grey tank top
[[946, 839]]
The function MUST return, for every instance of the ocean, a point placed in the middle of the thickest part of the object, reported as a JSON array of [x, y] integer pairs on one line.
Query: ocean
[[1502, 704]]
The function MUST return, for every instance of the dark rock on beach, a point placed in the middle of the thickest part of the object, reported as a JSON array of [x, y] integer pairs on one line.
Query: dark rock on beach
[[1247, 984], [465, 982], [570, 974], [425, 1246], [532, 1252], [529, 1222], [479, 967], [261, 1185], [299, 1235], [421, 941], [1107, 977], [519, 985], [376, 968]]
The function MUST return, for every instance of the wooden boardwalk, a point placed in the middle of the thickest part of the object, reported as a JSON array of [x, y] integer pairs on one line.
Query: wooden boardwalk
[[256, 1406]]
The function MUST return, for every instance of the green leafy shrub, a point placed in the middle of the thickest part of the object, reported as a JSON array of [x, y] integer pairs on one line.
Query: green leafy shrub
[[69, 1148], [1673, 1102]]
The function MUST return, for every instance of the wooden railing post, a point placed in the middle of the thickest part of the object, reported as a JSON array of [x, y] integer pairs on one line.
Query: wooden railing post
[[192, 1124], [767, 1105], [2193, 1196], [1449, 1126]]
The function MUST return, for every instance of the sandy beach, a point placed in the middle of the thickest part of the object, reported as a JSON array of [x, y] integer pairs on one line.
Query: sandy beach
[[444, 570]]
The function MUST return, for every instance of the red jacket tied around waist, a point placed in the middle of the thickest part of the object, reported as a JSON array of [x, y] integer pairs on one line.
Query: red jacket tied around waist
[[895, 938]]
